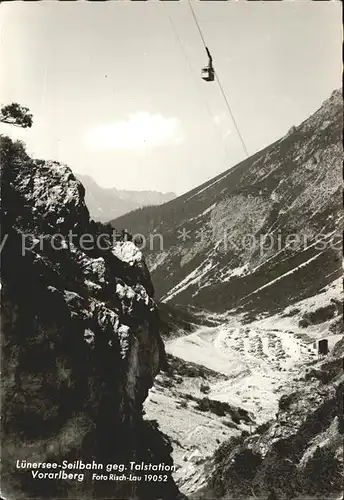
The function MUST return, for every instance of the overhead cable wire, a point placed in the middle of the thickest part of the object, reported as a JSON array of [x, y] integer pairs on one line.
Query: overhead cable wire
[[198, 89], [220, 86], [232, 116], [198, 26]]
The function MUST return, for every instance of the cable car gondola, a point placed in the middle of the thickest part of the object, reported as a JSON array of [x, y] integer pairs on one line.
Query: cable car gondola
[[208, 73]]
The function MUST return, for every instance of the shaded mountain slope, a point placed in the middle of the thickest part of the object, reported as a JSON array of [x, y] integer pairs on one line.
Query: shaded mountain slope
[[177, 321], [255, 236]]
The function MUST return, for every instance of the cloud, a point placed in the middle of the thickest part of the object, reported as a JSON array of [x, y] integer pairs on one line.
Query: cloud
[[218, 119], [221, 121], [140, 130]]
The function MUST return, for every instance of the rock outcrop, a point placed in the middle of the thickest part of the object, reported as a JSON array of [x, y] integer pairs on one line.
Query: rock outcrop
[[80, 340]]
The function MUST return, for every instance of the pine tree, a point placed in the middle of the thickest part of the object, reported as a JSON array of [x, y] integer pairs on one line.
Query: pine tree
[[14, 114]]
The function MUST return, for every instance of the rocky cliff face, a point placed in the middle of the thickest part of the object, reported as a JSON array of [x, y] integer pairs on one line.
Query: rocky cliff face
[[299, 454], [105, 204], [80, 339]]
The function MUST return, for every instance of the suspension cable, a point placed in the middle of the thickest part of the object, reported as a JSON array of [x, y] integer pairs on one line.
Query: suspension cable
[[220, 86], [198, 26], [232, 116]]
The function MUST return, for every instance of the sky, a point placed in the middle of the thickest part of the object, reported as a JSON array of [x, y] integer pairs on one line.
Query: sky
[[115, 88]]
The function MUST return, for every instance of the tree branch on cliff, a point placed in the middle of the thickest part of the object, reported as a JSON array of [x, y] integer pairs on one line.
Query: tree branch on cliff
[[14, 114]]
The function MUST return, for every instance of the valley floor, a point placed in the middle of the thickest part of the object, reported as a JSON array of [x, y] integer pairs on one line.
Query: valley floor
[[244, 366]]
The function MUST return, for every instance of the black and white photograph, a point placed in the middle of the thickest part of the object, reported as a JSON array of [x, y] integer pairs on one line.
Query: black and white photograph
[[171, 250]]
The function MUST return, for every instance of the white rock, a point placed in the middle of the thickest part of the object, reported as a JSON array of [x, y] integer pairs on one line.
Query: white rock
[[127, 251]]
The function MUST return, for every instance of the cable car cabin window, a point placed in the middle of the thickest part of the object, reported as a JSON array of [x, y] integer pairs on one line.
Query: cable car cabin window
[[208, 74]]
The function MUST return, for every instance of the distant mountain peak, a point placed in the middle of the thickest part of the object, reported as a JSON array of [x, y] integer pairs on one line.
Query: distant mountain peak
[[105, 204]]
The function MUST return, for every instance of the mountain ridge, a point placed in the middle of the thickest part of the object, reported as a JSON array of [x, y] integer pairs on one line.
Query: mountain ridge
[[106, 203], [292, 187]]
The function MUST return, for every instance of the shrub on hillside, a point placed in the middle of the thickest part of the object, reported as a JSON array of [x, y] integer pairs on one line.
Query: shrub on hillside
[[277, 475], [204, 388], [327, 372], [322, 473], [291, 313], [286, 400], [221, 409], [12, 153], [217, 407], [321, 315], [229, 424], [236, 475], [262, 428], [249, 318], [222, 453]]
